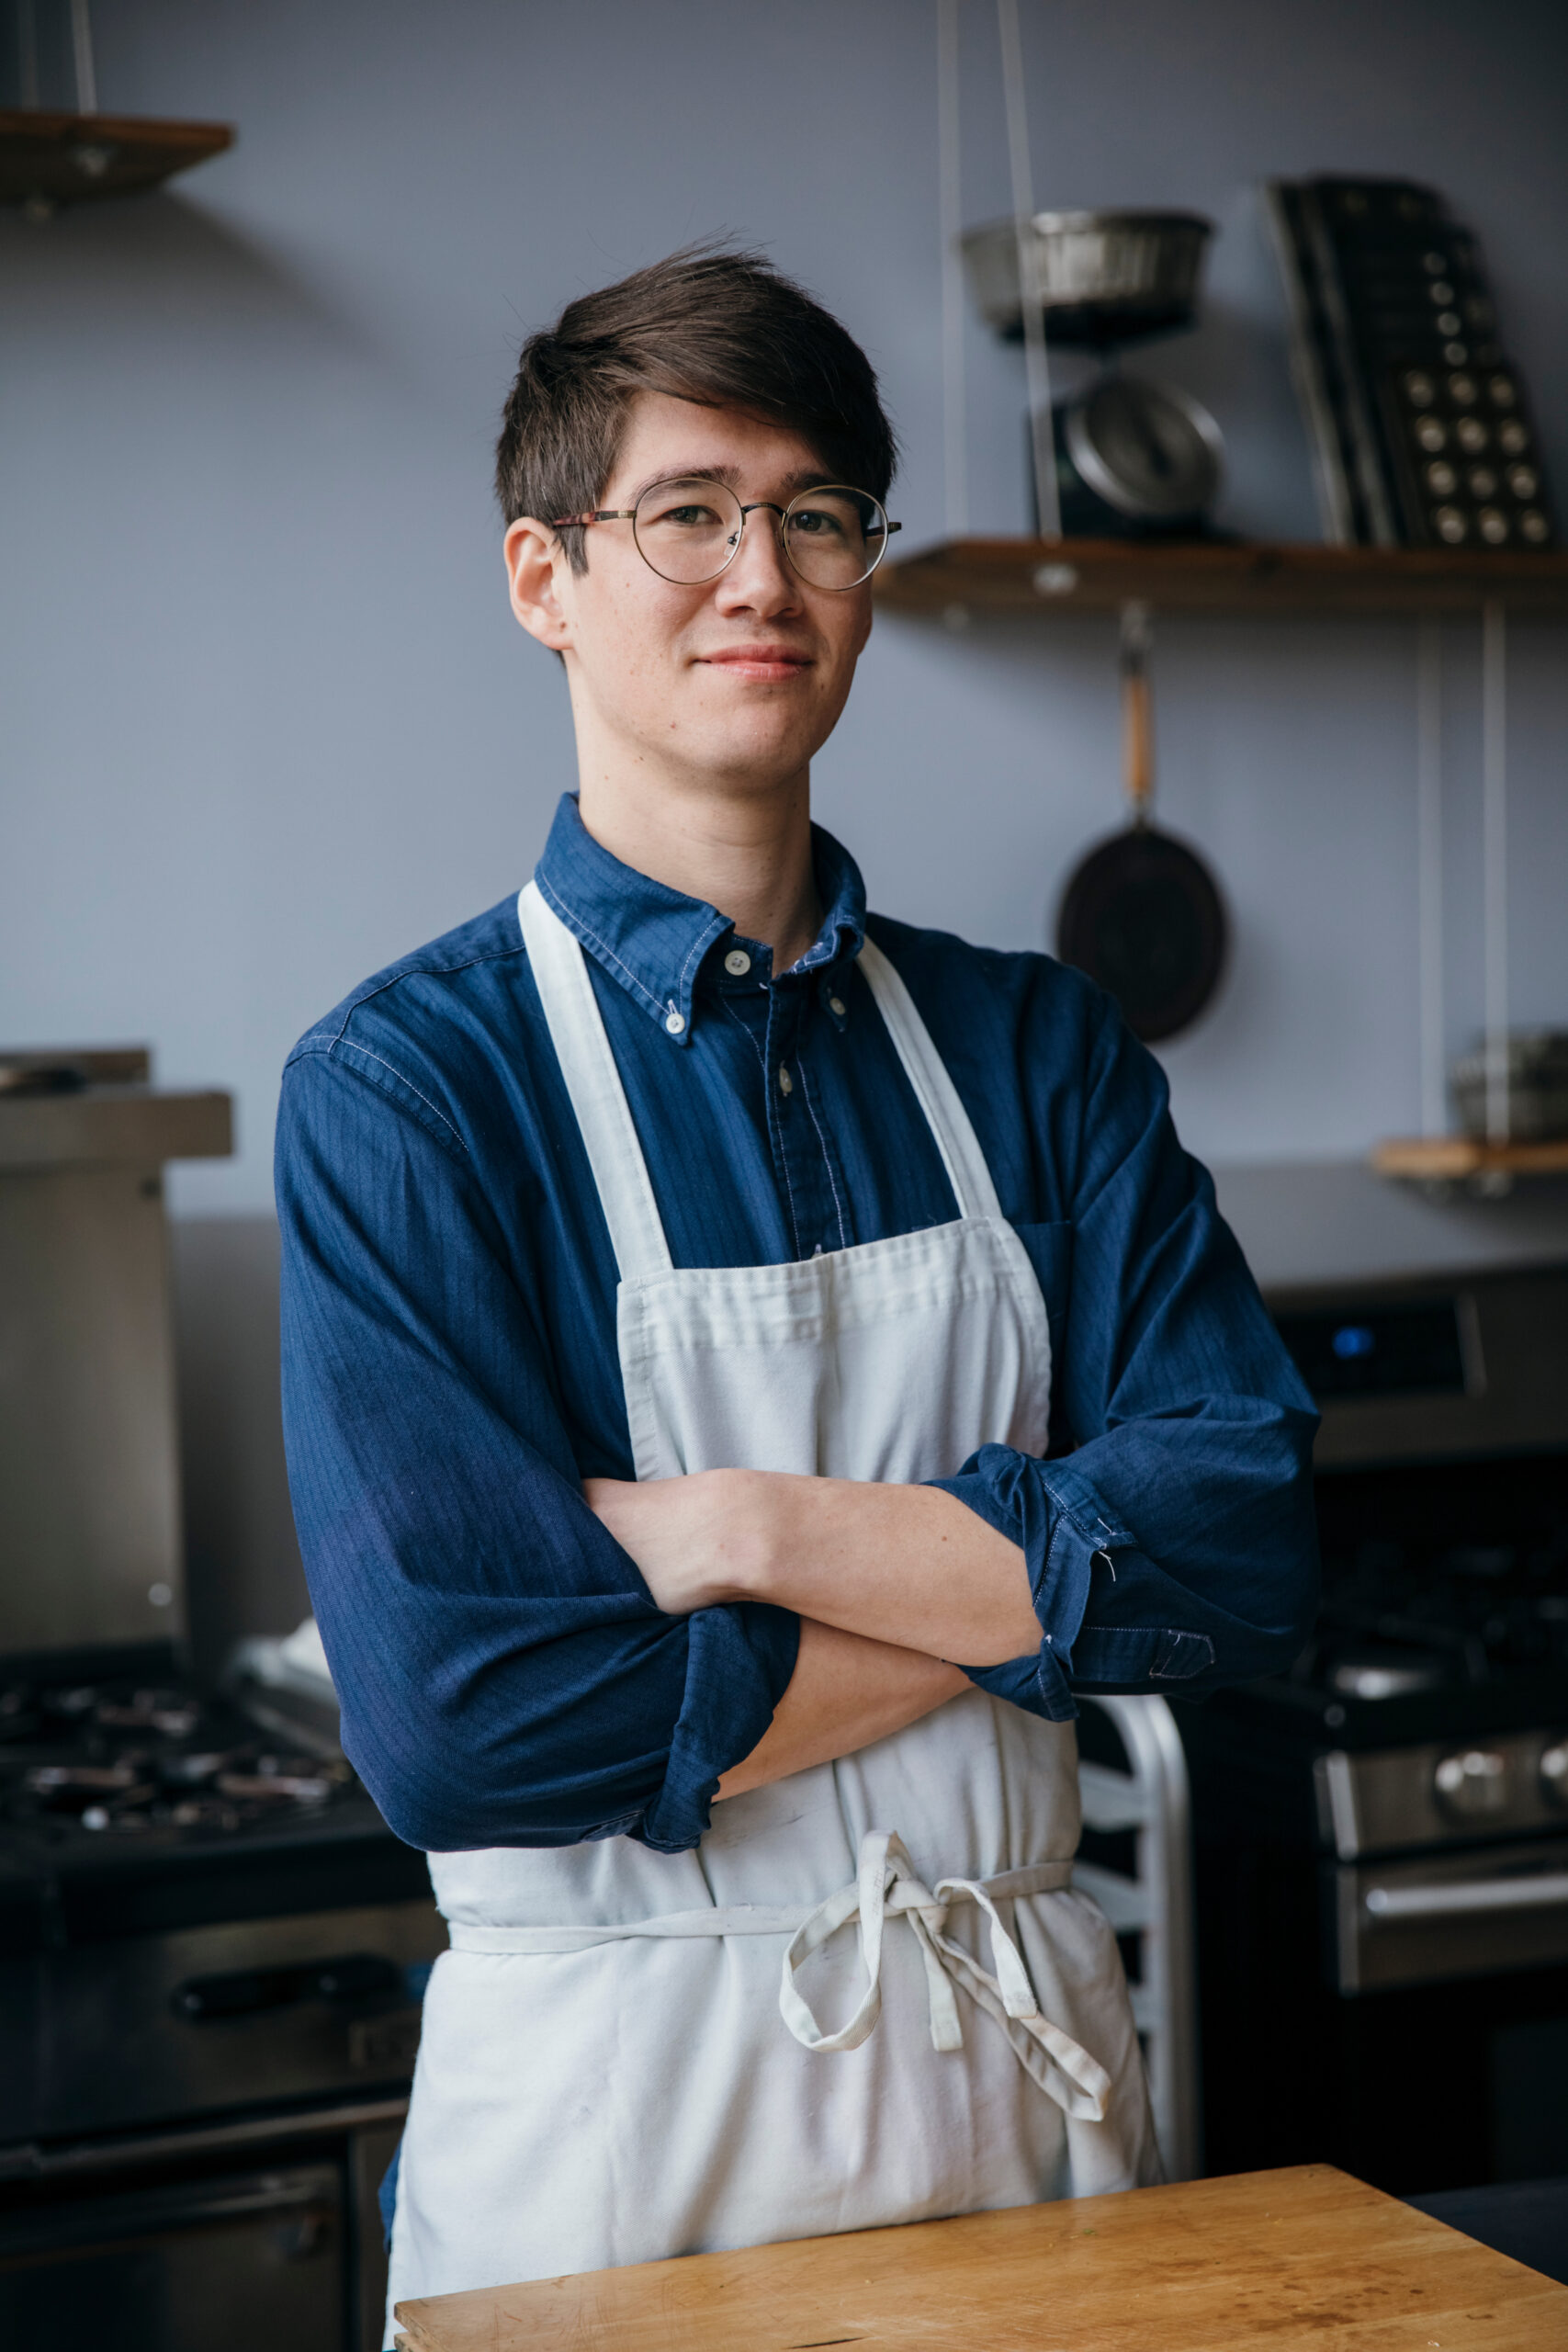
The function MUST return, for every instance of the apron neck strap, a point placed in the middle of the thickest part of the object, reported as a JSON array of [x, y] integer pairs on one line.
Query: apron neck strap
[[934, 1091], [577, 1032], [592, 1081]]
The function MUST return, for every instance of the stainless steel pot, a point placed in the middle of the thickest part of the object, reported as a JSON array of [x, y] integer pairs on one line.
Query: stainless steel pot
[[1536, 1071], [1102, 277]]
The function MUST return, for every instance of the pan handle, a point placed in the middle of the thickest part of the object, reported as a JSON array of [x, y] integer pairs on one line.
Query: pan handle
[[1137, 713]]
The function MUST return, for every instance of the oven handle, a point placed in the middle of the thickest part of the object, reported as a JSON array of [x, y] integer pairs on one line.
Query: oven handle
[[1537, 1894], [244, 1991]]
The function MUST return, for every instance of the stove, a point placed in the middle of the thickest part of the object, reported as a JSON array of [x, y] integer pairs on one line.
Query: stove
[[212, 1948], [212, 1955], [1382, 1832]]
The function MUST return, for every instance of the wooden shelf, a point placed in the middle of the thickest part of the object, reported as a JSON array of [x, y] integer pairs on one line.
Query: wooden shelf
[[48, 159], [1464, 1158], [1203, 576]]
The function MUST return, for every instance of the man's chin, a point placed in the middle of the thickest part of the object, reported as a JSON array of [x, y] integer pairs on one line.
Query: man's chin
[[753, 741]]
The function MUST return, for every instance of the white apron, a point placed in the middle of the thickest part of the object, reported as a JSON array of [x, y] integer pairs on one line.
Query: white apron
[[870, 1995]]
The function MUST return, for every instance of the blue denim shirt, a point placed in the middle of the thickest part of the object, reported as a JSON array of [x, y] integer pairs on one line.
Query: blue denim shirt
[[450, 1373]]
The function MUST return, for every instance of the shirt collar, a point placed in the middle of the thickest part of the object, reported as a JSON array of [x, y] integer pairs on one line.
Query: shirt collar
[[653, 939]]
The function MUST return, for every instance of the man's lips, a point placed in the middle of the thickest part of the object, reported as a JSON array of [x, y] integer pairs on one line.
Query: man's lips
[[771, 664]]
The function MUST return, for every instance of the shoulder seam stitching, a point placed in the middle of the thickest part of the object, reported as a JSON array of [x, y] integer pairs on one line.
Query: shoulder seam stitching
[[351, 1045], [417, 971]]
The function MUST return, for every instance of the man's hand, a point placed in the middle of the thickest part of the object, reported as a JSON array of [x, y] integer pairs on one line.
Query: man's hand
[[905, 1565], [698, 1541]]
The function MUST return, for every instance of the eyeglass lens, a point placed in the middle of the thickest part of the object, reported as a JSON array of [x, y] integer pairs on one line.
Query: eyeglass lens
[[687, 531]]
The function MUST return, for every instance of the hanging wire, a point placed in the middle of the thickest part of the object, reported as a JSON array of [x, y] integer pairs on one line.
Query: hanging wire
[[27, 53], [950, 214], [1037, 366], [81, 51], [1495, 860], [1429, 868]]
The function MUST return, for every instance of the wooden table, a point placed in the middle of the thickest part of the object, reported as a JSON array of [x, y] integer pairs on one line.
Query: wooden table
[[1305, 2257]]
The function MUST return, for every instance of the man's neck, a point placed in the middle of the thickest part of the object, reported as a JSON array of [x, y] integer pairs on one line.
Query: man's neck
[[748, 854]]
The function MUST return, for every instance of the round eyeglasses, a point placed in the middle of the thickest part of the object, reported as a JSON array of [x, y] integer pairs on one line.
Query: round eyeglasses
[[689, 530]]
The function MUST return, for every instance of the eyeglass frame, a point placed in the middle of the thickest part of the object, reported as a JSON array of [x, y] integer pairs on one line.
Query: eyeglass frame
[[629, 515]]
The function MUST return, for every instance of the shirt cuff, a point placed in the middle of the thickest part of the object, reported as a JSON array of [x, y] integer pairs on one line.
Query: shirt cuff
[[738, 1664], [1062, 1524]]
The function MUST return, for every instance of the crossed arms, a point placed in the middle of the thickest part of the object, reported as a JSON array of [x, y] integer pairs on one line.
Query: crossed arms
[[523, 1665], [890, 1582]]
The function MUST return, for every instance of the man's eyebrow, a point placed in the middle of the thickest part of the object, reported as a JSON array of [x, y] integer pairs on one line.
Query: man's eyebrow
[[804, 478], [728, 475]]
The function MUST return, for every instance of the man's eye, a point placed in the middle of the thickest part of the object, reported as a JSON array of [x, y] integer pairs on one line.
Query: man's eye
[[816, 522], [688, 518]]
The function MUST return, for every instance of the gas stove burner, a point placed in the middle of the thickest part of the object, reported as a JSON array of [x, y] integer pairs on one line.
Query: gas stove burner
[[1385, 1674], [264, 1787], [28, 1712], [68, 1788], [117, 1759], [150, 1710], [205, 1764]]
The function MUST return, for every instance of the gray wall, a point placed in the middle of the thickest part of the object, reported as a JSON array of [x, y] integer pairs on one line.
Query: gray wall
[[267, 721]]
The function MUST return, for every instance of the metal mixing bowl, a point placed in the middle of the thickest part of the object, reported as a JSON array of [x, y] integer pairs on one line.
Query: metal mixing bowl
[[1103, 277]]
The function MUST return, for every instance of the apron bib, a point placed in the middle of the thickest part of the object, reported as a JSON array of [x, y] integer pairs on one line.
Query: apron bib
[[871, 1994]]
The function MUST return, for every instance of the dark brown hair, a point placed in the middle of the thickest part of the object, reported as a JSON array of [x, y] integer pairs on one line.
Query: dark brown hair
[[722, 329]]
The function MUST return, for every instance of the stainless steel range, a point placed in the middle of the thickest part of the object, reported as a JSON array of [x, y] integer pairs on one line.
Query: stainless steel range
[[1382, 1834], [212, 1951]]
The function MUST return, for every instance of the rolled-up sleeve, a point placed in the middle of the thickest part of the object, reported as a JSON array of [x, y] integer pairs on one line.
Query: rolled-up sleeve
[[504, 1675], [1174, 1547]]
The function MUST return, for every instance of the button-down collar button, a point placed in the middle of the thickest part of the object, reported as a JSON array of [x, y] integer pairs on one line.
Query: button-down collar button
[[738, 963], [836, 1007], [787, 1084], [674, 1022]]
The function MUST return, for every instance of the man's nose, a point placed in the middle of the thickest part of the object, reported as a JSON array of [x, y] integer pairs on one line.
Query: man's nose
[[758, 579]]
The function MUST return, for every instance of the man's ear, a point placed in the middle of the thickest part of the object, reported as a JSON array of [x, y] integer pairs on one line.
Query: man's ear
[[535, 561]]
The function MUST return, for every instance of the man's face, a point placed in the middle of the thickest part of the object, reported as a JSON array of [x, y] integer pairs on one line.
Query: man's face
[[736, 681]]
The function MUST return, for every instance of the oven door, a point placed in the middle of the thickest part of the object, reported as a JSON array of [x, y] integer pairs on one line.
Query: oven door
[[252, 2260], [263, 2231], [1446, 2028], [1445, 1915]]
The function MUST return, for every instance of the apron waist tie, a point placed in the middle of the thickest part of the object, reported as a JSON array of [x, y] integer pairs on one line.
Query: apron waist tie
[[885, 1883]]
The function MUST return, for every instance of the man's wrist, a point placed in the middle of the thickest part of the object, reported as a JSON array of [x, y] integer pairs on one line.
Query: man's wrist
[[764, 1515]]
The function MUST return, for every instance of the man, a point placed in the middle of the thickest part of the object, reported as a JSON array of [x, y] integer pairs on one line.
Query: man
[[744, 1365]]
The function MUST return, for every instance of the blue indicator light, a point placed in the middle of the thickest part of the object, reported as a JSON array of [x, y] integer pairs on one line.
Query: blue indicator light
[[1352, 1341]]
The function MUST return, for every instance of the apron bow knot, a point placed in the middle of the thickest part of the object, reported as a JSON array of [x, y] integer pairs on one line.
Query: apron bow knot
[[885, 1881]]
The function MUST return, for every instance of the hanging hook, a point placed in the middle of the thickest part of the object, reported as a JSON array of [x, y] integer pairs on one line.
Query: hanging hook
[[1137, 715]]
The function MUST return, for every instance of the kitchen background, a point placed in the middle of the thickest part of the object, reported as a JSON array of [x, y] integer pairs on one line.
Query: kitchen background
[[268, 721]]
